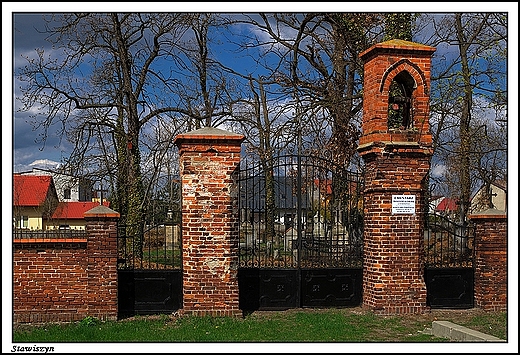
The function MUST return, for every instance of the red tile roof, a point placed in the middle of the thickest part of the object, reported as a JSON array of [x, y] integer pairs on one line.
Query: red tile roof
[[447, 204], [325, 186], [30, 190], [74, 210]]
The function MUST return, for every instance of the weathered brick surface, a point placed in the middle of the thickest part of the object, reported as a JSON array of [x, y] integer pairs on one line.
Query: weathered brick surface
[[209, 165], [63, 281], [490, 261], [397, 163], [50, 282]]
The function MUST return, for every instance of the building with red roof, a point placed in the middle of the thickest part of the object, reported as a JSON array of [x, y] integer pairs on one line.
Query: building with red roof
[[34, 201], [69, 215], [36, 205]]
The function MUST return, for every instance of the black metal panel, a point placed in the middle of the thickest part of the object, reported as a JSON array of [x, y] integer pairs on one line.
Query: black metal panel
[[249, 289], [449, 287], [268, 289], [125, 293], [149, 291], [332, 287]]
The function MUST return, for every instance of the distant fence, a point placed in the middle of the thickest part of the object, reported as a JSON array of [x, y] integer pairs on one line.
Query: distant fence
[[49, 234]]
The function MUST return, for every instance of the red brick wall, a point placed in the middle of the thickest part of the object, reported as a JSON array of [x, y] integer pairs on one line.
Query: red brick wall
[[208, 164], [397, 163], [490, 261], [66, 280], [50, 281], [393, 248]]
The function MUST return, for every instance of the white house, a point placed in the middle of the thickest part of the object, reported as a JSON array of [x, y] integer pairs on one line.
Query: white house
[[68, 187]]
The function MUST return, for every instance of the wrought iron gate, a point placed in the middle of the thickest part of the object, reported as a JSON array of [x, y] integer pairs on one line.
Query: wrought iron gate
[[149, 269], [449, 271], [301, 230]]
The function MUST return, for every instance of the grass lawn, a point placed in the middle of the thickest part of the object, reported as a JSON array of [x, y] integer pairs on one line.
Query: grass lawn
[[316, 328]]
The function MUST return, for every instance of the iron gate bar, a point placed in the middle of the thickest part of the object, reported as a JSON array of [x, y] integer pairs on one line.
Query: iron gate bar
[[312, 220], [313, 226], [149, 270], [448, 257]]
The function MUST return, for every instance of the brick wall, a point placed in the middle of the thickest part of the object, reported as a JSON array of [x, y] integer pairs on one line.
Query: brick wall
[[209, 161], [397, 163], [490, 260], [49, 281], [393, 248], [64, 280]]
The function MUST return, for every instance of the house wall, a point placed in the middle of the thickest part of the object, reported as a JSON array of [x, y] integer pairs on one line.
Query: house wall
[[63, 280], [34, 215], [498, 199], [78, 224]]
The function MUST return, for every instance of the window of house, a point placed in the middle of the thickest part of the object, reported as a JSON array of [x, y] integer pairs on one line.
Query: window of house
[[66, 194], [23, 222]]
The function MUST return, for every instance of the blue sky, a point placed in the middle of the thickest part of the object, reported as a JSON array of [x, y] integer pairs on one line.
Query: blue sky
[[26, 153]]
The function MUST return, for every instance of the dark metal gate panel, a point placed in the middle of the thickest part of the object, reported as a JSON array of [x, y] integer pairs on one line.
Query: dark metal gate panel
[[268, 289], [149, 292], [301, 230], [450, 287], [149, 270], [332, 287], [449, 272]]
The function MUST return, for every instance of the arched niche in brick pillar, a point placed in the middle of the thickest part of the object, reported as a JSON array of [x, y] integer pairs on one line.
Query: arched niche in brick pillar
[[400, 113], [396, 95], [396, 145]]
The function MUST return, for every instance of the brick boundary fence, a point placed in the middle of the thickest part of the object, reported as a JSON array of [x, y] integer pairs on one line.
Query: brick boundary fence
[[65, 280]]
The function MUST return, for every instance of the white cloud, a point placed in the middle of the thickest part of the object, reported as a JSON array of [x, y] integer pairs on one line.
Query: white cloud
[[40, 163], [437, 170]]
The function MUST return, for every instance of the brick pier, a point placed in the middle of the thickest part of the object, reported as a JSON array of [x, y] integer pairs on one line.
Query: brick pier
[[209, 162]]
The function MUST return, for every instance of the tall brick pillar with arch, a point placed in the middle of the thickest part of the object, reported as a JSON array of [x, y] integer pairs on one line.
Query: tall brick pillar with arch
[[209, 163], [396, 146]]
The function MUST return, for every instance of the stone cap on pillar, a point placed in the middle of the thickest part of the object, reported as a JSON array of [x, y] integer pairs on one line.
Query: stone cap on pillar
[[101, 212], [488, 214], [397, 46], [207, 133], [206, 138]]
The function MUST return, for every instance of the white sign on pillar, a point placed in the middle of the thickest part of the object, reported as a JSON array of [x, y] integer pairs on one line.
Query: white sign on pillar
[[403, 204]]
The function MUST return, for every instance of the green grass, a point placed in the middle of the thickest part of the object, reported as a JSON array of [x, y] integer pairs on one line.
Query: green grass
[[331, 325]]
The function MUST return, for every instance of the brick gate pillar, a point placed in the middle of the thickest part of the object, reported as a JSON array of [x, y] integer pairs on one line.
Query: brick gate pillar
[[101, 227], [490, 259], [396, 145], [209, 163]]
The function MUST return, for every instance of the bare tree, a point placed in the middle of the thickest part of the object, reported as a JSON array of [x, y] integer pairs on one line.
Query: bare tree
[[464, 81], [316, 62]]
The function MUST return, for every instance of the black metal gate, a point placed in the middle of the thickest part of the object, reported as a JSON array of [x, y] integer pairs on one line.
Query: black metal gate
[[149, 270], [449, 272], [301, 230]]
